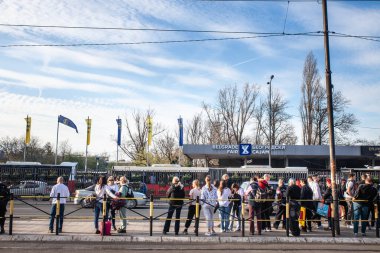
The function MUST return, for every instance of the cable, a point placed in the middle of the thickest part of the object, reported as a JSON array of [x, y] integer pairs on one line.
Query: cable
[[286, 17], [158, 42]]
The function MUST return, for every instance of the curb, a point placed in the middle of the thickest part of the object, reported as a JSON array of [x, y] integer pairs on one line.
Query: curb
[[187, 240]]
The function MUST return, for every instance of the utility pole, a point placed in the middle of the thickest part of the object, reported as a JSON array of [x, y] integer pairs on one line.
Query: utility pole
[[330, 110]]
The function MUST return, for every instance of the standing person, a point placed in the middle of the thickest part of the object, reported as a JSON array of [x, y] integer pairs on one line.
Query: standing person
[[307, 196], [366, 195], [281, 201], [293, 193], [209, 197], [143, 188], [267, 205], [4, 198], [348, 195], [254, 206], [100, 190], [317, 196], [227, 179], [193, 194], [328, 199], [124, 192], [175, 191], [64, 195], [342, 202], [224, 194], [111, 189], [236, 200]]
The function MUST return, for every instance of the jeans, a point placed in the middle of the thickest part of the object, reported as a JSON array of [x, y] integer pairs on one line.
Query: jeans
[[360, 212], [235, 212], [349, 211], [97, 209], [113, 213], [123, 218], [208, 212], [53, 212], [177, 210], [280, 216], [225, 213]]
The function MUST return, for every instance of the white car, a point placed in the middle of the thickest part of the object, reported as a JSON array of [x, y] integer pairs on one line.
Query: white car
[[80, 195], [30, 188]]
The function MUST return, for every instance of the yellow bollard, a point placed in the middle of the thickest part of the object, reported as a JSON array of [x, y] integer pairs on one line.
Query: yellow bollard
[[151, 216]]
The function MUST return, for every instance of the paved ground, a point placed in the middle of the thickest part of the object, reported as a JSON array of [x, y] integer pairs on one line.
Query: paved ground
[[83, 247]]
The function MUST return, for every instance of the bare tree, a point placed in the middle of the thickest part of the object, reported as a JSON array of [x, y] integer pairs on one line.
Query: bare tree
[[313, 109], [196, 130], [137, 136], [231, 114], [282, 131], [65, 149], [12, 148], [166, 149]]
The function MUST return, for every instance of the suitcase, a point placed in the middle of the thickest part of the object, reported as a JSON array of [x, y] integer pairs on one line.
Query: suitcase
[[107, 225]]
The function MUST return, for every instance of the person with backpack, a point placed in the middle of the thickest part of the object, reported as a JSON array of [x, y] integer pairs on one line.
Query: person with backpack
[[193, 194], [124, 192], [281, 201], [4, 198], [209, 196], [224, 205], [267, 204], [254, 205], [293, 193], [64, 192], [175, 191], [348, 195], [307, 203], [236, 200], [365, 196]]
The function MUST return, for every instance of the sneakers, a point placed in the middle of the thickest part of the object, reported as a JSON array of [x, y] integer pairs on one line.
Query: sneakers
[[237, 230], [350, 226], [320, 227], [121, 231], [50, 231], [97, 231], [213, 232], [364, 234], [355, 234], [185, 232], [208, 234], [114, 228]]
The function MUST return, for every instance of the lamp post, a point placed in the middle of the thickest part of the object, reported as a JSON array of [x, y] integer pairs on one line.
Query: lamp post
[[270, 120]]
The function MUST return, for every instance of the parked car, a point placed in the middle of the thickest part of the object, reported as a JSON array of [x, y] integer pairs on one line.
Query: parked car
[[31, 188], [80, 198]]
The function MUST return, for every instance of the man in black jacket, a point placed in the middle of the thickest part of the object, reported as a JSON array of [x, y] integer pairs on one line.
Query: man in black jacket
[[294, 193], [175, 191], [281, 200], [307, 197], [365, 196], [4, 198]]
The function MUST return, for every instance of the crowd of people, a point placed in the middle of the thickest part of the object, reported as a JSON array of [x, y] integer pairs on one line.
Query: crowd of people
[[357, 201]]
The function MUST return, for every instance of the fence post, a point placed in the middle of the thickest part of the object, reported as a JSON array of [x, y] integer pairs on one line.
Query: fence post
[[104, 214], [11, 211], [57, 211], [287, 216], [197, 216], [377, 220], [151, 215], [337, 220], [242, 219]]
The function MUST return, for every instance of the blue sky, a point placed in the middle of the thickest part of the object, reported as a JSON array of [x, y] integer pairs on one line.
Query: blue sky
[[105, 82]]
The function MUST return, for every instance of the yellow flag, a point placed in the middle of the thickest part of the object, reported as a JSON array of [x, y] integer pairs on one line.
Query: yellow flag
[[88, 121], [150, 130], [28, 127]]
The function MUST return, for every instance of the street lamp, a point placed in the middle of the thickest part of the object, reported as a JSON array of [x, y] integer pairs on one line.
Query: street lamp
[[270, 120]]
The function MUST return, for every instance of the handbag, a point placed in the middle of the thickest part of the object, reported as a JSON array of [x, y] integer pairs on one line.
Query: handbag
[[323, 209]]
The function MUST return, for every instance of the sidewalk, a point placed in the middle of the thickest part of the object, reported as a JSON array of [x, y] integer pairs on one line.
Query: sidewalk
[[138, 231]]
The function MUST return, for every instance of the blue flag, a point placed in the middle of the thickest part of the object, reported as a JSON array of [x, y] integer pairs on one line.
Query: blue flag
[[67, 122], [180, 124], [118, 121]]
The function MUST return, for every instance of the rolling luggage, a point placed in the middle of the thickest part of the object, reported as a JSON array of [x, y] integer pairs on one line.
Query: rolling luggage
[[107, 225]]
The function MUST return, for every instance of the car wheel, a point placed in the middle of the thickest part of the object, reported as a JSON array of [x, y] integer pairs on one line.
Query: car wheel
[[38, 197], [131, 204]]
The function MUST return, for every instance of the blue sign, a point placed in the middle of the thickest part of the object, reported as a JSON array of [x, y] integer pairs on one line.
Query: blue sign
[[245, 149]]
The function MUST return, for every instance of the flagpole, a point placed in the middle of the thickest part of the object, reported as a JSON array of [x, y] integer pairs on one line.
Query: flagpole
[[27, 118], [56, 144], [85, 161]]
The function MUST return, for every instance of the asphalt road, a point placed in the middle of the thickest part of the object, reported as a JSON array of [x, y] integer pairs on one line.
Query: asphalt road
[[105, 247]]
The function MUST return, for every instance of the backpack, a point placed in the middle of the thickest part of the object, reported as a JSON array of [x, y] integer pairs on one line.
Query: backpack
[[261, 194]]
